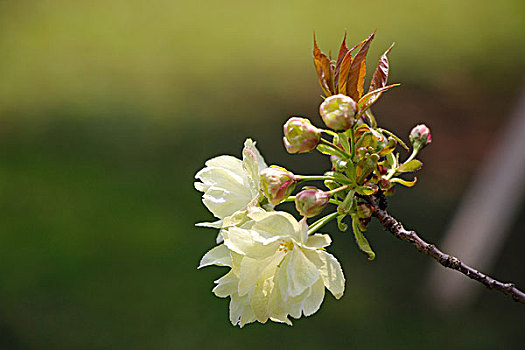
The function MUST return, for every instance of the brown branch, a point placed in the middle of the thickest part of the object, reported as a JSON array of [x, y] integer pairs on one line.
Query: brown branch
[[397, 229]]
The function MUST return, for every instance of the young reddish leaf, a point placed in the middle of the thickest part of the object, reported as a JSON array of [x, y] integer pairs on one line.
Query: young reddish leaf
[[370, 98], [380, 76], [356, 75], [345, 69], [342, 52], [325, 70]]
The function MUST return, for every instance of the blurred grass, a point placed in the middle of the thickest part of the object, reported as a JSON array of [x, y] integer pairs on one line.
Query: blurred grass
[[175, 60], [108, 108]]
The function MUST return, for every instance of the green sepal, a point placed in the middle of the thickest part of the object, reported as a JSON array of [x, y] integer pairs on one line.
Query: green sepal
[[411, 166], [361, 240], [404, 182], [340, 224]]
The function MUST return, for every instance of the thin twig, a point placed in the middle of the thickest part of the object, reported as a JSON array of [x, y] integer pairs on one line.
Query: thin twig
[[397, 229]]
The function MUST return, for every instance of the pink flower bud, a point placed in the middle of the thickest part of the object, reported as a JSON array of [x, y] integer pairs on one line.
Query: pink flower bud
[[277, 183], [311, 202], [338, 112], [420, 136], [300, 136]]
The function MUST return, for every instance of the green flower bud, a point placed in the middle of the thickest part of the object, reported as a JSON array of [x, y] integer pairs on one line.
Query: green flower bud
[[311, 202], [420, 136], [300, 136], [364, 210], [338, 112], [277, 184]]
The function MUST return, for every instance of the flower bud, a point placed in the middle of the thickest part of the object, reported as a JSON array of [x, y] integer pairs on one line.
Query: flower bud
[[338, 112], [364, 210], [300, 136], [311, 202], [420, 136], [277, 183]]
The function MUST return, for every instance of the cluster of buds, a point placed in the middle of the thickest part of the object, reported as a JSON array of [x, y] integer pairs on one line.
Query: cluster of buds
[[363, 156]]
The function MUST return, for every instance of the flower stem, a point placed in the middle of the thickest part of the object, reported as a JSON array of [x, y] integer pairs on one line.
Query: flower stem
[[335, 190], [313, 177], [321, 222]]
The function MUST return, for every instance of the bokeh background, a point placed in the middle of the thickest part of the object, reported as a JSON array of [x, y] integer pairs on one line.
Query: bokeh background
[[109, 108]]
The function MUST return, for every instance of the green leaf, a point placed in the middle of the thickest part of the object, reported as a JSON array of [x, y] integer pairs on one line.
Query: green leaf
[[365, 190], [348, 203], [331, 185], [404, 182], [340, 224], [324, 149], [408, 167], [343, 139], [361, 240], [338, 177], [390, 161]]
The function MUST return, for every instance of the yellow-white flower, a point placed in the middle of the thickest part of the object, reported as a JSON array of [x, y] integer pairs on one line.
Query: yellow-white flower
[[277, 270], [231, 185]]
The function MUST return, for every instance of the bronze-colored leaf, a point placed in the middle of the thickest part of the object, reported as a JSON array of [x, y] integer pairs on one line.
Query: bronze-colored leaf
[[356, 75], [370, 98], [380, 77], [345, 69], [342, 52], [325, 70]]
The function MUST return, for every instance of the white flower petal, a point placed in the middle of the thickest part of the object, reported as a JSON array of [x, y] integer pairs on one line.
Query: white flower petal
[[330, 270], [219, 255], [253, 163], [300, 272], [318, 240], [223, 203], [276, 224], [261, 294], [313, 302], [239, 307], [215, 224], [243, 242], [226, 162], [226, 285]]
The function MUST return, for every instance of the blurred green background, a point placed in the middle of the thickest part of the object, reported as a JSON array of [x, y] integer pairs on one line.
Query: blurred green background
[[109, 108]]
